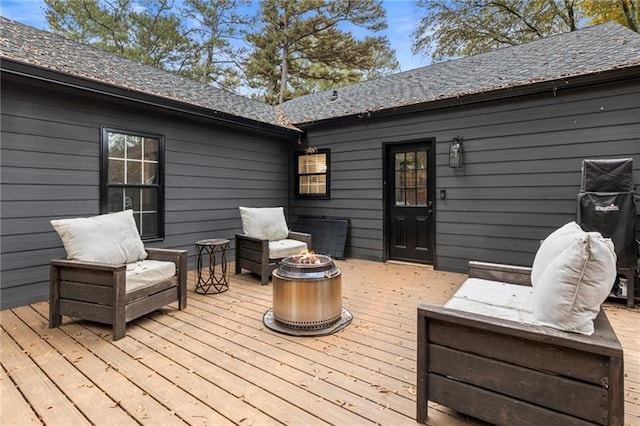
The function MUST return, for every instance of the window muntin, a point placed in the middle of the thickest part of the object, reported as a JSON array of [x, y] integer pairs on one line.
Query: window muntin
[[312, 174], [411, 178], [132, 178]]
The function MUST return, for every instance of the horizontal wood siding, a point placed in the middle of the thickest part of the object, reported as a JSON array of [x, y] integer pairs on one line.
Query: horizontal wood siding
[[521, 175], [50, 169]]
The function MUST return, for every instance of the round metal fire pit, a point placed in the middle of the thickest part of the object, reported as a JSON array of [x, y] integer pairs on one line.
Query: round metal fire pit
[[307, 297]]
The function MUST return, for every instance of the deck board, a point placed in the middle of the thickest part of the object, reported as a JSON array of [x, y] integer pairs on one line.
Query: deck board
[[217, 363]]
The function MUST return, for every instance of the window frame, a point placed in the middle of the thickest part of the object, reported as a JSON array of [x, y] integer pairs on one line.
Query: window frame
[[159, 185], [326, 174]]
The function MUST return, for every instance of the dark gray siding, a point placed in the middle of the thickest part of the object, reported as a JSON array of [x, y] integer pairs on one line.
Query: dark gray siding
[[356, 187], [521, 175], [50, 169]]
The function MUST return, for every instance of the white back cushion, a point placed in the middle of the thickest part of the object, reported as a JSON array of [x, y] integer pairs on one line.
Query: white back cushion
[[552, 247], [574, 273], [109, 238], [265, 223]]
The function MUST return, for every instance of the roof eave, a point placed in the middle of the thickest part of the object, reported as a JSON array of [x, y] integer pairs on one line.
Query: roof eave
[[46, 75], [547, 86]]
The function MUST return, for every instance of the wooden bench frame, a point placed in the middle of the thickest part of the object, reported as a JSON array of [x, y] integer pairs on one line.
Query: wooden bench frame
[[252, 254], [97, 291], [509, 373]]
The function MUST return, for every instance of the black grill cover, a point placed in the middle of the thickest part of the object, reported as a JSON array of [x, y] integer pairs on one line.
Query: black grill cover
[[615, 175], [614, 216]]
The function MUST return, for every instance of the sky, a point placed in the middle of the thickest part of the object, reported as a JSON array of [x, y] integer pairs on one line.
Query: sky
[[401, 18]]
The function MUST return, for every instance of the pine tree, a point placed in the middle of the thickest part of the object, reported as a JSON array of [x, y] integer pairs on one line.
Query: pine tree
[[301, 47], [193, 37]]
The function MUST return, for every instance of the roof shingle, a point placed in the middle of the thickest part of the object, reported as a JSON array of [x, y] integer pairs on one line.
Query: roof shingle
[[592, 50], [29, 45]]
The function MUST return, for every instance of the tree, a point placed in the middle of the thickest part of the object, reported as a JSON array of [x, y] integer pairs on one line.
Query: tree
[[155, 32], [149, 33], [452, 28], [301, 47], [625, 12], [215, 25]]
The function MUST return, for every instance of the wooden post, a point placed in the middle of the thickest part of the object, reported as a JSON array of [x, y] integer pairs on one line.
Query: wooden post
[[422, 382], [55, 319]]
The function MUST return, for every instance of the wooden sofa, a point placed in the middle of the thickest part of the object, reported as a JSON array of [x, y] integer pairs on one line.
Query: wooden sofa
[[509, 373], [98, 291]]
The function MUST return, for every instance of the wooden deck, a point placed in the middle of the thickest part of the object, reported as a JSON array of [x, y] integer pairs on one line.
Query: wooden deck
[[216, 363]]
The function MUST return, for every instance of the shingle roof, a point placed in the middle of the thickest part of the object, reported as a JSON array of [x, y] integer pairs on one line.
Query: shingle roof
[[26, 44], [592, 50]]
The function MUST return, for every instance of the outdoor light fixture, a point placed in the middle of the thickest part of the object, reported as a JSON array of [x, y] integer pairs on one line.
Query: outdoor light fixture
[[455, 153]]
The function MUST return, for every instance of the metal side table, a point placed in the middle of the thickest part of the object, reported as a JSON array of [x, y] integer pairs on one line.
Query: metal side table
[[216, 250]]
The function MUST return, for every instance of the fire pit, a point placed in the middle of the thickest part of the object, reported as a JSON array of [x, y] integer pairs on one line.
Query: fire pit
[[307, 297]]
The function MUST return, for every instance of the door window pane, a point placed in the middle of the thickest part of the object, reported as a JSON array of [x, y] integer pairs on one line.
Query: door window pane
[[411, 178]]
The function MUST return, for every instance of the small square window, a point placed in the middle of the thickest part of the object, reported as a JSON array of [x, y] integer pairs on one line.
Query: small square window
[[312, 174]]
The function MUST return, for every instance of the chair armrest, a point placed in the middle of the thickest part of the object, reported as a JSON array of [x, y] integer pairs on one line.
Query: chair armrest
[[179, 258], [247, 237], [167, 255], [301, 236], [499, 272], [95, 266], [604, 341], [78, 271]]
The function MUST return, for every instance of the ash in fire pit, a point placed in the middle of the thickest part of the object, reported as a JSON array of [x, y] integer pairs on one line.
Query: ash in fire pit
[[307, 297]]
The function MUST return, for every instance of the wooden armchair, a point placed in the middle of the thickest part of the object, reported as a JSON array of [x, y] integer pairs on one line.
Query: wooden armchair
[[112, 281], [98, 292], [252, 254], [266, 241]]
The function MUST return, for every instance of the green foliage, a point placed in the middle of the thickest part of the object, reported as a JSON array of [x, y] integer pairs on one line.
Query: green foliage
[[155, 32], [453, 28], [625, 12], [151, 33], [298, 46], [301, 48]]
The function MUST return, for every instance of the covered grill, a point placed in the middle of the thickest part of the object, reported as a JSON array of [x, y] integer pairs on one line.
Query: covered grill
[[307, 297], [606, 203]]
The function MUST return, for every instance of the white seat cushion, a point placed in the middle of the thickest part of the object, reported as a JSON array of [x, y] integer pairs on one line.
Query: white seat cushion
[[284, 248], [147, 272], [109, 238], [573, 282], [265, 223], [495, 299]]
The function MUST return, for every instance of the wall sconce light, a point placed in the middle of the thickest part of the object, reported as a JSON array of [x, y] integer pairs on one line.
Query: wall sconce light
[[455, 153]]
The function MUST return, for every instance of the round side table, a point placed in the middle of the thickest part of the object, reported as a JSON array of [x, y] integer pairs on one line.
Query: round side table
[[216, 250]]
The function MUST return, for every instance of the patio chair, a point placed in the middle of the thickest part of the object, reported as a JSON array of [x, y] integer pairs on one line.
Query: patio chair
[[109, 276], [266, 240], [508, 353]]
